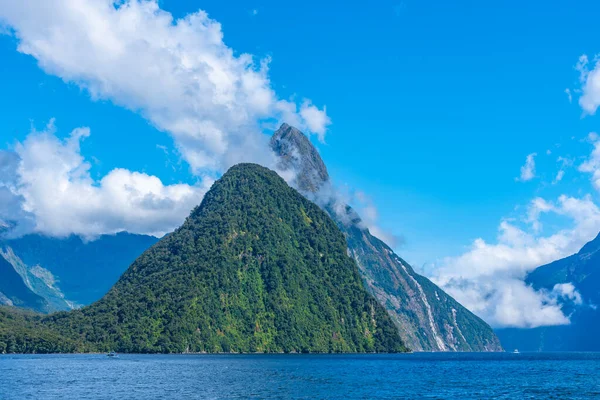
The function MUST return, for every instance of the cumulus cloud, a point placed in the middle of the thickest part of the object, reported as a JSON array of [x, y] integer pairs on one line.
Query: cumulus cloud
[[537, 207], [316, 120], [49, 181], [178, 73], [589, 80], [568, 291], [507, 302], [528, 170], [489, 278]]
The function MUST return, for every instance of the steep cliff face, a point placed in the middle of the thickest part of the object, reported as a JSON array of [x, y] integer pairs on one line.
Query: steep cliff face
[[297, 153], [428, 319]]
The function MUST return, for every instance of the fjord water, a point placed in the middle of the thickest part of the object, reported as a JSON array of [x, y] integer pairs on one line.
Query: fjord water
[[429, 375]]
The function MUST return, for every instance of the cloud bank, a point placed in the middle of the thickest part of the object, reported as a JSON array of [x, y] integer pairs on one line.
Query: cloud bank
[[47, 181], [178, 73], [489, 278]]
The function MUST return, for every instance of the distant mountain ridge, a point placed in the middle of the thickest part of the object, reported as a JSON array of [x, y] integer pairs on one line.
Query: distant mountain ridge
[[14, 291], [428, 318], [582, 270], [66, 272]]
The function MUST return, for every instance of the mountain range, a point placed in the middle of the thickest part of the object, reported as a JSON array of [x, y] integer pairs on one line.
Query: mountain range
[[256, 267], [53, 274], [62, 274], [581, 272]]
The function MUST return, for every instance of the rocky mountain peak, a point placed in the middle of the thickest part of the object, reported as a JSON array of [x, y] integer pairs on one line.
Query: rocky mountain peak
[[297, 152]]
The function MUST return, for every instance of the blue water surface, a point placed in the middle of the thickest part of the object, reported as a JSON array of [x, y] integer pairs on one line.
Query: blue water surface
[[419, 375]]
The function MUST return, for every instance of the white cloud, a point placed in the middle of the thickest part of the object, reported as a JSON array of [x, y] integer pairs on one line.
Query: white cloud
[[489, 278], [569, 95], [507, 302], [590, 84], [559, 175], [528, 170], [338, 198], [52, 181], [369, 220], [537, 207], [568, 291], [316, 120], [178, 73], [564, 163], [13, 219]]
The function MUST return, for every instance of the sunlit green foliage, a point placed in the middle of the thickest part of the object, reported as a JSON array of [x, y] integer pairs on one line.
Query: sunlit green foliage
[[22, 332]]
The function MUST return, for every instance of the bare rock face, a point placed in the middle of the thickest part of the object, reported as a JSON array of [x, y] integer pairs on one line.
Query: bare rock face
[[427, 318], [297, 153]]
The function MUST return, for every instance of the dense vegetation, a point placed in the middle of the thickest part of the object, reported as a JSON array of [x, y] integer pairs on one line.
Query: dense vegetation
[[255, 268], [22, 331]]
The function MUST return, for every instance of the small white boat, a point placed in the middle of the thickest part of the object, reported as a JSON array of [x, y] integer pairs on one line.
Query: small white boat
[[112, 354], [516, 351]]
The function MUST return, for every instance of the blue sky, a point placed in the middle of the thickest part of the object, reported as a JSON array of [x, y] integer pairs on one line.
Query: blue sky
[[434, 107]]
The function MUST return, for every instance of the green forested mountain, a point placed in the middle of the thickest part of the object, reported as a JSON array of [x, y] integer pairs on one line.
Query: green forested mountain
[[23, 331], [428, 318], [255, 268]]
